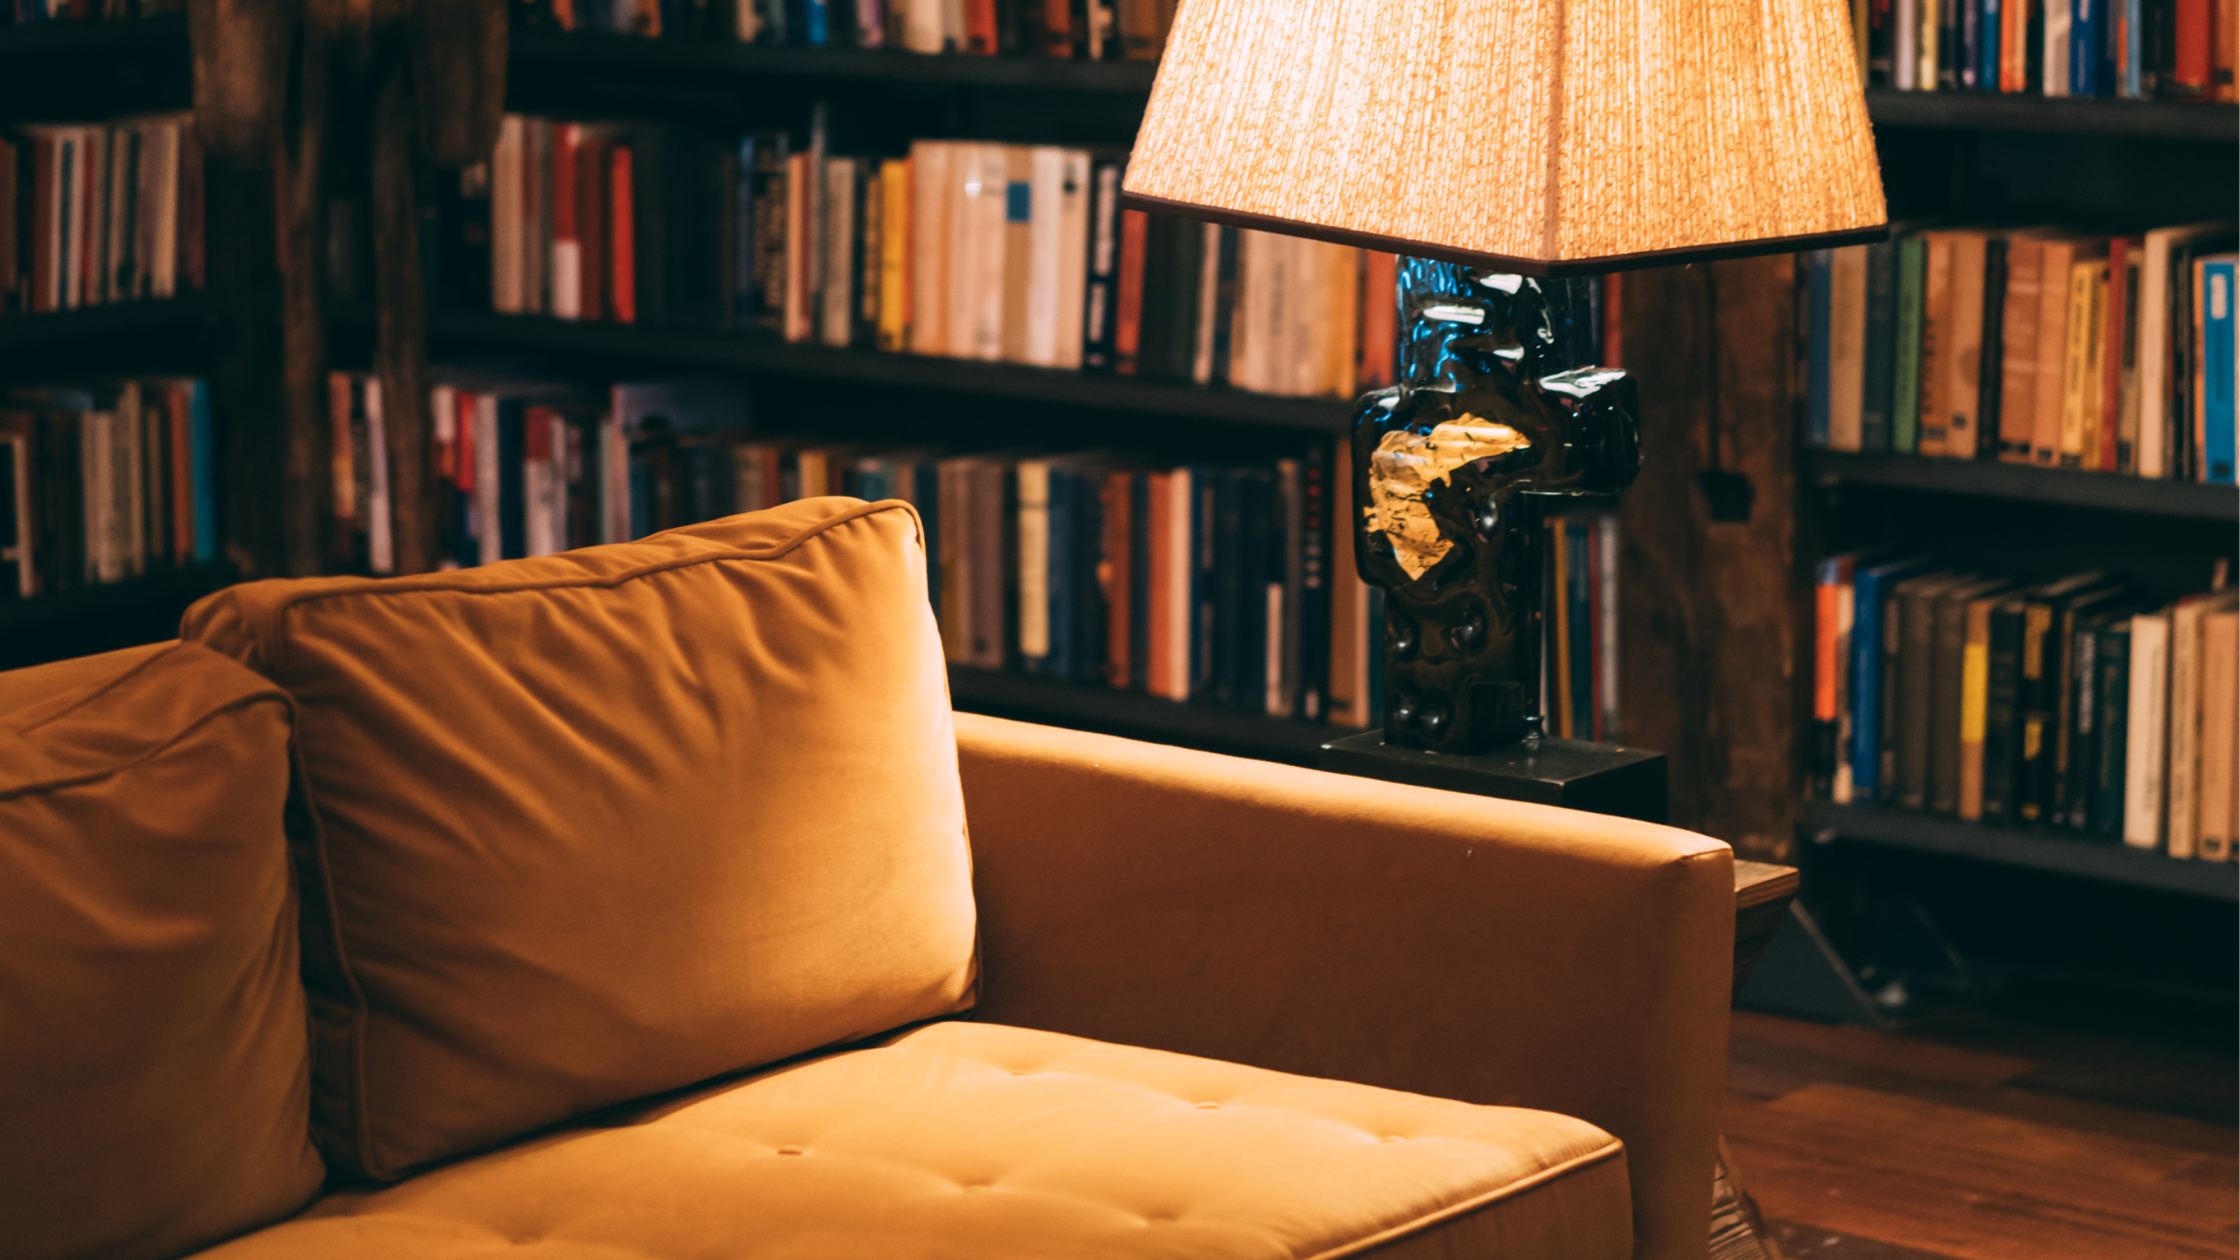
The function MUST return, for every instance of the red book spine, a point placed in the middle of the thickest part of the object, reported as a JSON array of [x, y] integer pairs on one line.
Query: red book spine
[[463, 472], [622, 238], [2190, 44], [591, 226], [2111, 355], [1057, 28], [567, 288], [178, 402], [980, 27], [1127, 329]]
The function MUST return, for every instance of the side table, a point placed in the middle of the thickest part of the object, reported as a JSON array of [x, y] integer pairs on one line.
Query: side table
[[1628, 783]]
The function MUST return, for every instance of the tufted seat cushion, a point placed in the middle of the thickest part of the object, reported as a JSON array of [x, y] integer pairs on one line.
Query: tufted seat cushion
[[979, 1141]]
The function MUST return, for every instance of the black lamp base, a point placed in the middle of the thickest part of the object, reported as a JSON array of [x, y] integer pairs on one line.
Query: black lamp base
[[1600, 778]]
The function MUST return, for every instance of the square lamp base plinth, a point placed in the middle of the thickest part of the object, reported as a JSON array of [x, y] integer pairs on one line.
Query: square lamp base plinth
[[1600, 778]]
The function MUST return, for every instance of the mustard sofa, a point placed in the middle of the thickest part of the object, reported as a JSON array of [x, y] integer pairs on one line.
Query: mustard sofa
[[649, 901]]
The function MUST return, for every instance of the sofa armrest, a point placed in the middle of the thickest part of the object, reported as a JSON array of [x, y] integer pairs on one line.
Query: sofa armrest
[[1430, 941]]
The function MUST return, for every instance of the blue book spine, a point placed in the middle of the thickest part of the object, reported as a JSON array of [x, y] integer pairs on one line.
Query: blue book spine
[[2134, 31], [1869, 588], [2086, 39], [205, 475], [820, 24], [1987, 44], [1058, 575], [1820, 295], [2216, 370]]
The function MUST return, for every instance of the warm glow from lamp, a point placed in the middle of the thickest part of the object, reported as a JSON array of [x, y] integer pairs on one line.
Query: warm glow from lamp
[[1538, 136]]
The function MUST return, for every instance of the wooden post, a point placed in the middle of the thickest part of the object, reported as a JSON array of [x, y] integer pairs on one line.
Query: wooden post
[[1713, 609], [401, 330]]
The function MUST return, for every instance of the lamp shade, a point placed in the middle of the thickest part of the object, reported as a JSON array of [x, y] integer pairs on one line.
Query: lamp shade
[[1546, 137]]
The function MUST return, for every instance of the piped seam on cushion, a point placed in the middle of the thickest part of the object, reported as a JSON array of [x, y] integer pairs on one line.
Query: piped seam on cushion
[[1467, 1206], [274, 695], [272, 638], [82, 701]]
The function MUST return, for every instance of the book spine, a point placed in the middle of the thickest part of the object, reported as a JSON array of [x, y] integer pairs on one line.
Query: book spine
[[2217, 363], [2148, 733], [1990, 383], [1819, 284], [2114, 452], [2002, 712], [1937, 344], [2220, 741], [2050, 392], [2078, 752], [1905, 415], [1947, 700], [1117, 572], [1127, 332], [1975, 684], [2112, 700], [2039, 713], [1100, 314], [1826, 674], [1880, 348]]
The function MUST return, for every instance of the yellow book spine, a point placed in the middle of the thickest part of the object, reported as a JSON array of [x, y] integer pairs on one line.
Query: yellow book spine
[[894, 255], [2076, 362]]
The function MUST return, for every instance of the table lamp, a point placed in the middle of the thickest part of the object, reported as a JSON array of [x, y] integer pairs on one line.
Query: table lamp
[[1504, 149]]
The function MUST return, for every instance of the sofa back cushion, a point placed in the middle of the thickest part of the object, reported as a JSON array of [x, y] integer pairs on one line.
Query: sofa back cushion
[[154, 1069], [596, 825]]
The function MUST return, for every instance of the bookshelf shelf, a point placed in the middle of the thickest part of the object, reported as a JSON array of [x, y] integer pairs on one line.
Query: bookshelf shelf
[[101, 618], [131, 325], [590, 347], [1139, 716], [2040, 850], [2075, 115], [77, 70], [2109, 491], [579, 52]]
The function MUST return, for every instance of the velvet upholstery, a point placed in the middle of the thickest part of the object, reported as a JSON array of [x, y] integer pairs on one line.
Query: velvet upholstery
[[586, 827], [154, 1068], [961, 1141], [1487, 951]]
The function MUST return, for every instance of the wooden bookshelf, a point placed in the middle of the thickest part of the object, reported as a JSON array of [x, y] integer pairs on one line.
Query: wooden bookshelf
[[166, 329], [555, 52], [1139, 716], [2039, 849], [576, 348], [2076, 115], [74, 71], [1995, 479]]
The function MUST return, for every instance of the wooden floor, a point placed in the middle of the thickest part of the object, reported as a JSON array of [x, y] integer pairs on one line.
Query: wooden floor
[[1862, 1145]]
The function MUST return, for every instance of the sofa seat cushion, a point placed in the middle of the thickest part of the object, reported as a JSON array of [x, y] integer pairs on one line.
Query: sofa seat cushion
[[980, 1141], [588, 827]]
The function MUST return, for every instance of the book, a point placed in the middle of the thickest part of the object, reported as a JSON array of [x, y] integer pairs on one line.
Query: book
[[1833, 591], [2020, 346], [1872, 626], [2081, 333], [2220, 740], [1847, 312], [2110, 781], [1948, 661], [2213, 423], [2057, 342], [1938, 341], [2118, 425], [1879, 350], [1906, 377], [2147, 732], [1975, 686], [1909, 662], [1819, 387]]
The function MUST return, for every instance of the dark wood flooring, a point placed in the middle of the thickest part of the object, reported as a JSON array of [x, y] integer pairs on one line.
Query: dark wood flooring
[[1979, 1142]]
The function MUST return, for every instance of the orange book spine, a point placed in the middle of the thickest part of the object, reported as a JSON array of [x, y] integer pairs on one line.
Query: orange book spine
[[2111, 355], [1127, 329], [980, 27], [622, 237]]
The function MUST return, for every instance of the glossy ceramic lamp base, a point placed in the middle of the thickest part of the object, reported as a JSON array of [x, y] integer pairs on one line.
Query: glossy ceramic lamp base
[[1500, 416]]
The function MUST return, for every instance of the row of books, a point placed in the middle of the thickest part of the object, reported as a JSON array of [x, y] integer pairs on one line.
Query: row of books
[[998, 252], [30, 12], [1230, 585], [2112, 354], [100, 213], [1088, 29], [2137, 49], [102, 484], [2078, 705]]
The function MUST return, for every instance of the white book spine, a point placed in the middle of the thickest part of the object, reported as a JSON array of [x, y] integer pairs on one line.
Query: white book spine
[[2147, 733], [1073, 258], [567, 280], [989, 216], [968, 194], [1046, 209], [2057, 47], [1908, 23]]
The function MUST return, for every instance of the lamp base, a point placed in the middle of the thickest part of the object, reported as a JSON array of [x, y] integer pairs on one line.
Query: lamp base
[[1600, 778]]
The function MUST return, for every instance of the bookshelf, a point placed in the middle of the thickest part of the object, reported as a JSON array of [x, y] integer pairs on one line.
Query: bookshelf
[[1139, 716], [2045, 850], [1993, 479], [103, 618]]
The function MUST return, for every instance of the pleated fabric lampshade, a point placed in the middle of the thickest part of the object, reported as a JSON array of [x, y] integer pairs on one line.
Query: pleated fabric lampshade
[[1547, 137]]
